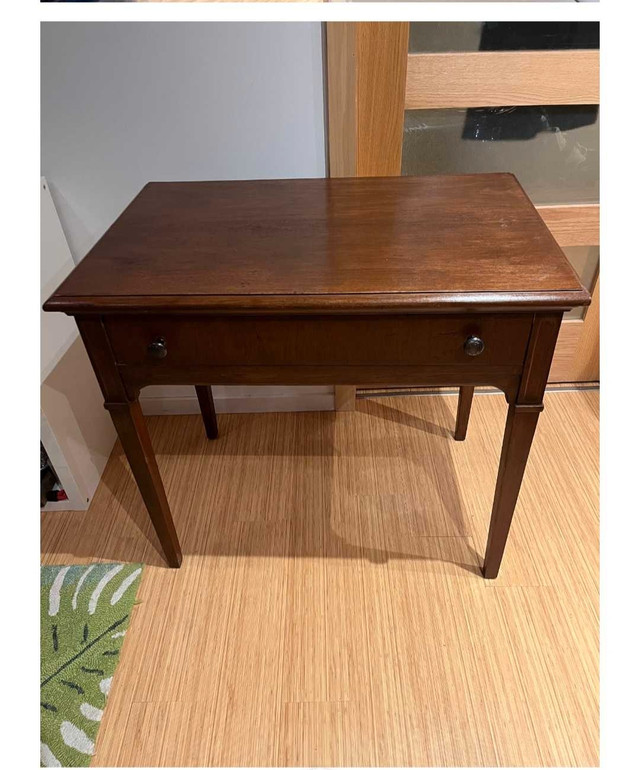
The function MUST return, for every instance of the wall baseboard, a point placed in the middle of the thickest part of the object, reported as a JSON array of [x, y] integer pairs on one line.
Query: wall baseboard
[[313, 402]]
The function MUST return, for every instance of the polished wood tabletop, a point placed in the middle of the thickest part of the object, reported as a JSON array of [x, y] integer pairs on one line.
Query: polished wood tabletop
[[402, 242], [444, 280]]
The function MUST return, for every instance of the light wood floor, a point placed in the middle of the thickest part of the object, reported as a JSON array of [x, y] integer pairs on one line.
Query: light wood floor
[[330, 609]]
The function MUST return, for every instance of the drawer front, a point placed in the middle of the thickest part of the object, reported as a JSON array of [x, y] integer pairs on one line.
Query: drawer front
[[410, 340]]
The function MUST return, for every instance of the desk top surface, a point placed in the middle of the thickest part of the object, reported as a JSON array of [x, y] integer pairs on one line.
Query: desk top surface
[[312, 244]]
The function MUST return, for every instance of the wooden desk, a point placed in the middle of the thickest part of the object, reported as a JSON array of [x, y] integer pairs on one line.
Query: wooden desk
[[451, 280]]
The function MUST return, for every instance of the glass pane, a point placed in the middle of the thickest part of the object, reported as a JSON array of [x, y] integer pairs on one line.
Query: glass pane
[[585, 260], [554, 151], [441, 37]]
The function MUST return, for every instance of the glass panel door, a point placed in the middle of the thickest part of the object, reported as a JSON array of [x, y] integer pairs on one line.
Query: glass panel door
[[553, 150]]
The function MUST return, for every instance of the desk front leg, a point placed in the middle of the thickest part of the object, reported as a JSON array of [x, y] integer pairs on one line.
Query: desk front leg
[[134, 436], [518, 435], [124, 407], [520, 428]]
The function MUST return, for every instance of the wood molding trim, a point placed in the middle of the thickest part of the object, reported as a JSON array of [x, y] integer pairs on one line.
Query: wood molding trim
[[366, 77], [502, 78], [341, 63], [577, 356], [573, 225]]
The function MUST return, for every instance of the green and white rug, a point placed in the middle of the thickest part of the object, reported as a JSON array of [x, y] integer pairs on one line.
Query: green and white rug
[[84, 614]]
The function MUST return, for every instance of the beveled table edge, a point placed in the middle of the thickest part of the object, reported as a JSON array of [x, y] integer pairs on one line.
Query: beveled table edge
[[397, 302]]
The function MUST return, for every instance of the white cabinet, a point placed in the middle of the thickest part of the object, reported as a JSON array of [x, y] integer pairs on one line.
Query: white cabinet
[[76, 430]]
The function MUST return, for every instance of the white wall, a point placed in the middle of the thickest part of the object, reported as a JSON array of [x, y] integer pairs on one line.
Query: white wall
[[124, 104]]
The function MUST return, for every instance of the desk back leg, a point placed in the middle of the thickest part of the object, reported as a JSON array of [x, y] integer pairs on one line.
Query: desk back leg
[[208, 410], [464, 410], [132, 431]]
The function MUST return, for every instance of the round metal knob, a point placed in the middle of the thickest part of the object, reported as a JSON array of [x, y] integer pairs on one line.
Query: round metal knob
[[473, 346], [157, 348]]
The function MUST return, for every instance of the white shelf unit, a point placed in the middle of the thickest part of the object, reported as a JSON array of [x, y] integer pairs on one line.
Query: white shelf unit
[[75, 429]]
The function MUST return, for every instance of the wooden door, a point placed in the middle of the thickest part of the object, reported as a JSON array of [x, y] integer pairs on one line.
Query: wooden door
[[374, 86]]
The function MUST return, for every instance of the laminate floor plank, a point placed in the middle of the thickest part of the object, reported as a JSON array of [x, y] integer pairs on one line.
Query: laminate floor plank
[[330, 609]]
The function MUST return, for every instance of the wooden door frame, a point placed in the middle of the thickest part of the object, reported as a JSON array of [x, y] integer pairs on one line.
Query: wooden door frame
[[366, 78], [371, 77]]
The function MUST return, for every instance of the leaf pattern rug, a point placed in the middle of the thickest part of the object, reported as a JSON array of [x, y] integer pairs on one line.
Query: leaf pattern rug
[[84, 614]]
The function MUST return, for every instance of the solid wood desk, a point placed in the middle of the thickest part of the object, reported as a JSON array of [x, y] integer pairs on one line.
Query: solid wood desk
[[451, 280]]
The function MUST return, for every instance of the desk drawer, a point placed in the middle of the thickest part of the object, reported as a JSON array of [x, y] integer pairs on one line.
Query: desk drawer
[[419, 340]]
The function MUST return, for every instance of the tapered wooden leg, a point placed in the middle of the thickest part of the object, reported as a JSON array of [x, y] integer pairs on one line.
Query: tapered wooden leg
[[464, 410], [208, 410], [132, 431], [518, 435]]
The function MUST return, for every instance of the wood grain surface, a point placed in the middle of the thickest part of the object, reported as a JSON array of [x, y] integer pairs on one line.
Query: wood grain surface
[[326, 242], [381, 65], [502, 78], [575, 225], [366, 74], [321, 341], [331, 598], [577, 356]]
